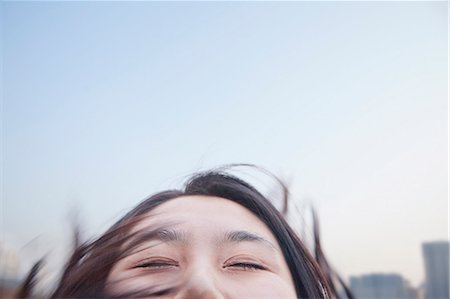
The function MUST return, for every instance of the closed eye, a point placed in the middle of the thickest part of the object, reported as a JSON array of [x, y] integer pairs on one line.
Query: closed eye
[[157, 264], [247, 266]]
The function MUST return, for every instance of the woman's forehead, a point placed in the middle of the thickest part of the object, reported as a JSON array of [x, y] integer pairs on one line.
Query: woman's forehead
[[206, 214]]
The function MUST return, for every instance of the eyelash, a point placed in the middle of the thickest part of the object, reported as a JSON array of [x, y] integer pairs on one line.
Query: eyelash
[[156, 264], [248, 266]]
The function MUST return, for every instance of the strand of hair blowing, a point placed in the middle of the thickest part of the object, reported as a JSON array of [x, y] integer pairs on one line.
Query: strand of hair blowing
[[30, 281]]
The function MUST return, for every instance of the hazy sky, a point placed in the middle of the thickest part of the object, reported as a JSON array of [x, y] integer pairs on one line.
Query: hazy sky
[[106, 103]]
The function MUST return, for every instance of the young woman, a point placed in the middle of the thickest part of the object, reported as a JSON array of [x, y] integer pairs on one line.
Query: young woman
[[217, 238]]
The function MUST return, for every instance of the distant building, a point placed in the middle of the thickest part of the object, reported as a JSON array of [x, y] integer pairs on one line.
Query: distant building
[[386, 286], [436, 269]]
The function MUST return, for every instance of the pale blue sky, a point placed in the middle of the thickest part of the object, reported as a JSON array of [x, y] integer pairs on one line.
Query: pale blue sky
[[106, 103]]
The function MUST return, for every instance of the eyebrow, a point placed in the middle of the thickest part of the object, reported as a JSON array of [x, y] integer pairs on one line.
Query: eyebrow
[[163, 234], [246, 236], [171, 235]]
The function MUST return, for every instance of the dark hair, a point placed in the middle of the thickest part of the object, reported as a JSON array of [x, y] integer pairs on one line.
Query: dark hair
[[87, 270]]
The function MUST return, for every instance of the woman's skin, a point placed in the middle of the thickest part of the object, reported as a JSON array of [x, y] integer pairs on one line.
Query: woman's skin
[[204, 247]]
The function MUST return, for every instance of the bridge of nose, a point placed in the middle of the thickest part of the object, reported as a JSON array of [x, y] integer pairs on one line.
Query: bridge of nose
[[202, 280]]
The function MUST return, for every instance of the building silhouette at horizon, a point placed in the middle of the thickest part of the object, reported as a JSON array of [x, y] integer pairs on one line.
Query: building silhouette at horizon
[[436, 259], [382, 285]]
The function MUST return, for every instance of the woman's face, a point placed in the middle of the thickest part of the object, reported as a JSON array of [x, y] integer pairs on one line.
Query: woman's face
[[203, 247]]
